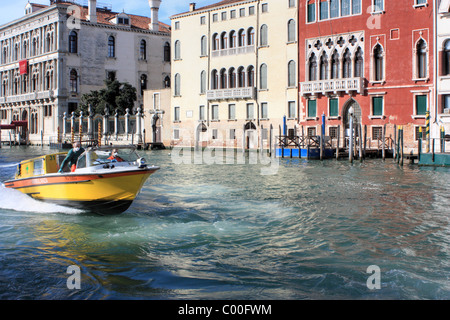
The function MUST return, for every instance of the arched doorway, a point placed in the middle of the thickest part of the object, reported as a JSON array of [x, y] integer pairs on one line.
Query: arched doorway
[[201, 135], [23, 130], [250, 136], [156, 129], [357, 116]]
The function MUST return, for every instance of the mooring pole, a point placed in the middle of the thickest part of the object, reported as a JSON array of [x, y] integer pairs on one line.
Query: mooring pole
[[350, 149]]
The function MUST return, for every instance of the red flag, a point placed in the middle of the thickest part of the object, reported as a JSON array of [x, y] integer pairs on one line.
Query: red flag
[[23, 67]]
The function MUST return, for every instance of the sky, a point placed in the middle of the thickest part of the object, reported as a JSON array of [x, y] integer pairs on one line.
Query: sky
[[11, 10]]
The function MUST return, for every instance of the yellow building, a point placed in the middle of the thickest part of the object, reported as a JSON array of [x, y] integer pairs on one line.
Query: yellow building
[[234, 73]]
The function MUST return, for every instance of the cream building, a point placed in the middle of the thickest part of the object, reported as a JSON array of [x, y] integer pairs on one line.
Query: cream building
[[56, 53], [443, 66], [234, 72]]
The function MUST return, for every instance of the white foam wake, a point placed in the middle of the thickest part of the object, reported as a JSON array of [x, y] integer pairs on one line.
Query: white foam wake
[[11, 199]]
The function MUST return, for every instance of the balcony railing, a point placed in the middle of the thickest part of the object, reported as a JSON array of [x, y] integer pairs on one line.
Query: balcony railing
[[228, 94], [233, 51], [28, 96], [332, 86]]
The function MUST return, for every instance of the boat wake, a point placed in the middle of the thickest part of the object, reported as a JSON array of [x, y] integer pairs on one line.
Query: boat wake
[[11, 199]]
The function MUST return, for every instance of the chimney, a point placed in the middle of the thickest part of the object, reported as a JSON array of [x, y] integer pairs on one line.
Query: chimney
[[192, 6], [92, 16], [154, 8]]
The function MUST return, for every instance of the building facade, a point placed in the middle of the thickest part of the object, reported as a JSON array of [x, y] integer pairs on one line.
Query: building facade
[[443, 67], [56, 53], [375, 56], [234, 71]]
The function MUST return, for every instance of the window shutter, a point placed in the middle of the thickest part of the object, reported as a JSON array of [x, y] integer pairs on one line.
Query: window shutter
[[421, 105], [377, 106]]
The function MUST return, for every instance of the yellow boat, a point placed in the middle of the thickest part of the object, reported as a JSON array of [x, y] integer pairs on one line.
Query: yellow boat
[[99, 183]]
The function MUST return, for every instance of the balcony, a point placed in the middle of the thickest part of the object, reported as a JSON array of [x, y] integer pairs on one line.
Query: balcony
[[28, 97], [233, 51], [332, 86], [231, 94]]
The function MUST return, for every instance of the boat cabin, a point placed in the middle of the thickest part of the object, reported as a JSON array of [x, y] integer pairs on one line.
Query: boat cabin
[[39, 166]]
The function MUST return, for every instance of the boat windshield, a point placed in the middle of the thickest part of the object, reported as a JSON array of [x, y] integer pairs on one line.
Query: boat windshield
[[104, 156]]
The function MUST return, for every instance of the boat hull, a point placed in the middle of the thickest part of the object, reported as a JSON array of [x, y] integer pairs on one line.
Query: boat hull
[[103, 192]]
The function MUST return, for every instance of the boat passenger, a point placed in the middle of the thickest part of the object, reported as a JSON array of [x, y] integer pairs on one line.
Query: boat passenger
[[72, 157], [115, 156]]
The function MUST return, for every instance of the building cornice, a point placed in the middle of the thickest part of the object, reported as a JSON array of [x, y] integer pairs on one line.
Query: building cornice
[[210, 9]]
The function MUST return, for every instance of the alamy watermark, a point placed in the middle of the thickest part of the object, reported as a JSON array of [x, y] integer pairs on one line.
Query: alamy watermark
[[74, 280], [374, 281]]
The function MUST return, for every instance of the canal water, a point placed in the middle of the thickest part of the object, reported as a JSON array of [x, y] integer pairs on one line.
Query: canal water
[[309, 230]]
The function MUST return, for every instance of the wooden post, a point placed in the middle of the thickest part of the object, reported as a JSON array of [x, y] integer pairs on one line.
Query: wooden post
[[365, 140], [270, 140], [321, 144], [395, 142], [99, 142], [350, 149], [337, 142], [419, 148], [402, 154], [383, 138], [360, 143]]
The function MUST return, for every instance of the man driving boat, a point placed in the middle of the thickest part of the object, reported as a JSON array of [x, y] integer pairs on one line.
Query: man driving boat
[[71, 158]]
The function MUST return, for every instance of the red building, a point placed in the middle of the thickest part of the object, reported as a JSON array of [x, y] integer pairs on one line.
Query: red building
[[373, 55]]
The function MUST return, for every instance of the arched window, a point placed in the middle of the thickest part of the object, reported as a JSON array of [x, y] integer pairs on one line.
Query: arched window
[[263, 76], [167, 82], [215, 42], [291, 30], [177, 90], [241, 77], [143, 50], [251, 36], [292, 71], [421, 53], [378, 63], [224, 41], [232, 78], [111, 47], [250, 76], [324, 67], [203, 47], [73, 42], [347, 64], [241, 38], [446, 60], [34, 47], [223, 79], [312, 68], [143, 83], [335, 65], [214, 80], [233, 39], [177, 50], [264, 35], [167, 52], [73, 81], [359, 63], [202, 82]]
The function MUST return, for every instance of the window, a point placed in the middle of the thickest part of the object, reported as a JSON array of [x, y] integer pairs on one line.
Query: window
[[251, 10], [291, 30], [203, 46], [323, 67], [333, 132], [176, 114], [421, 105], [347, 65], [111, 47], [231, 112], [420, 2], [446, 58], [291, 3], [264, 110], [378, 5], [214, 134], [420, 134], [232, 78], [143, 83], [251, 36], [377, 133], [215, 112], [224, 16], [345, 8], [312, 107], [202, 20], [223, 79], [421, 56], [334, 8], [177, 85], [377, 106], [224, 41], [250, 76], [73, 81], [143, 50], [241, 77], [378, 63], [263, 77], [73, 43], [311, 131], [177, 50], [264, 35], [201, 113], [333, 105], [335, 65], [202, 82], [359, 63], [233, 14], [241, 38], [232, 134], [242, 12], [292, 72], [264, 7], [446, 103], [323, 10], [167, 52], [250, 111], [215, 17], [311, 11], [176, 134], [312, 68], [356, 6], [291, 110]]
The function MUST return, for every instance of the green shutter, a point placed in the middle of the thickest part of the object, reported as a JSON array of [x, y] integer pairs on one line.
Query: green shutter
[[377, 106], [334, 108], [421, 105], [311, 12], [312, 104]]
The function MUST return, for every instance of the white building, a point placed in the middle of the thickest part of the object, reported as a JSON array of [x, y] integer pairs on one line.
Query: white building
[[443, 66], [54, 54]]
